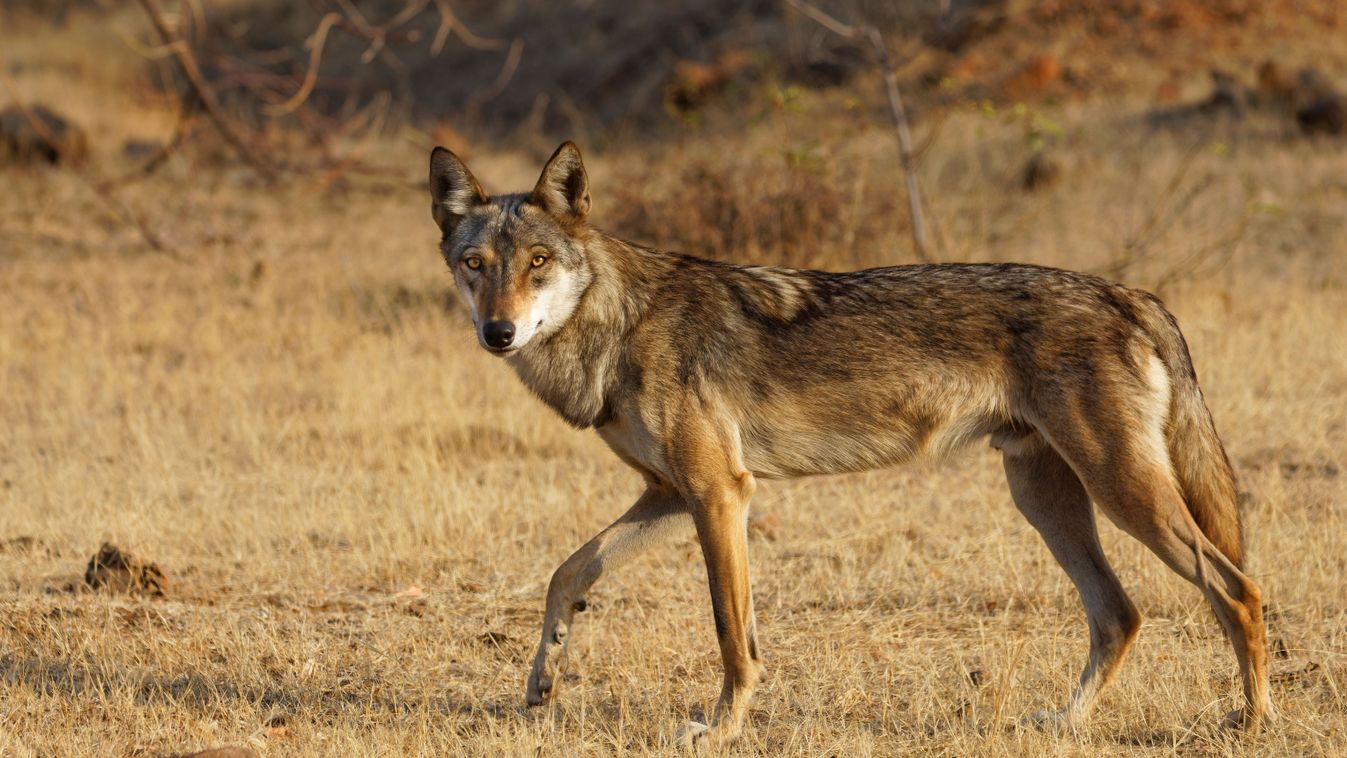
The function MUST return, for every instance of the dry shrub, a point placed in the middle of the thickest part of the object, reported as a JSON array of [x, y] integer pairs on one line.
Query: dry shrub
[[796, 208]]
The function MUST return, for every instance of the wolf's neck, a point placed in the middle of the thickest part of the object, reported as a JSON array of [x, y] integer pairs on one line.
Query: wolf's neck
[[574, 369]]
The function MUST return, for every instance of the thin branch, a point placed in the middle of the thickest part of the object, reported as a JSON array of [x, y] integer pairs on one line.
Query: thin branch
[[825, 20], [187, 64], [315, 44], [507, 70], [407, 13], [449, 22], [868, 33], [904, 145], [1137, 247], [378, 37], [161, 155]]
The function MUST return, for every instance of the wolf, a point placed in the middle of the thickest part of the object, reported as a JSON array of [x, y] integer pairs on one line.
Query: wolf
[[705, 376]]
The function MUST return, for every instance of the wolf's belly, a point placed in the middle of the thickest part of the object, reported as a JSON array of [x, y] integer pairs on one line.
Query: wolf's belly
[[841, 429], [783, 453], [785, 445]]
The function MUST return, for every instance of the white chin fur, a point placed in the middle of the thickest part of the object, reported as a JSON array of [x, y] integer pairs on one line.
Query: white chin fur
[[550, 311]]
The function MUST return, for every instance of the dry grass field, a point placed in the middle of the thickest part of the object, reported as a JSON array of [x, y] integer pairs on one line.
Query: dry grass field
[[358, 509]]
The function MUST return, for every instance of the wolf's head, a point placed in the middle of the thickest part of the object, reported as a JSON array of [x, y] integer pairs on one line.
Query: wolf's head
[[519, 260]]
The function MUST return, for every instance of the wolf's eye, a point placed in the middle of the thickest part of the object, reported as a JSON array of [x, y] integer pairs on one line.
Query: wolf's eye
[[473, 262], [539, 260]]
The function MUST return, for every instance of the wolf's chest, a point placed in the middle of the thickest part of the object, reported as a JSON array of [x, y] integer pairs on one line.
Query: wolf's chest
[[570, 385], [635, 443]]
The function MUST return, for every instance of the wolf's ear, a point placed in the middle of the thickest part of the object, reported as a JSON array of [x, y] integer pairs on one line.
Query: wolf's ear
[[563, 189], [453, 189]]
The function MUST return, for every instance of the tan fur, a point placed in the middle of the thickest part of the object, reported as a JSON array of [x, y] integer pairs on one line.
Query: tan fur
[[706, 376]]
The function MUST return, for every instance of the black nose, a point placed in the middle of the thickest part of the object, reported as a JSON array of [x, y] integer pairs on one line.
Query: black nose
[[498, 334]]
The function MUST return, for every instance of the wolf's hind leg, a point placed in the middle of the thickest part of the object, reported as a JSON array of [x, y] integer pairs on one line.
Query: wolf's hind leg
[[1051, 497], [1145, 503], [651, 520]]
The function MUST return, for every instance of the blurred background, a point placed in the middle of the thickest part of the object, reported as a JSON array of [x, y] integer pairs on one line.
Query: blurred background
[[749, 129], [260, 487]]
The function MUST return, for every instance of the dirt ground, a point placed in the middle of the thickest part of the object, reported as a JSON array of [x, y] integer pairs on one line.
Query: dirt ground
[[357, 510]]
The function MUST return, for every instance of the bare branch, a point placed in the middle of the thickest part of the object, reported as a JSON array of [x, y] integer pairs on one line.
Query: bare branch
[[449, 22], [315, 44], [904, 144], [282, 95], [825, 20], [507, 70], [187, 63], [161, 156], [871, 35]]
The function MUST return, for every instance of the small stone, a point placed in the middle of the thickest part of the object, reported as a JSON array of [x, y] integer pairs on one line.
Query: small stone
[[37, 134], [1327, 115], [116, 570], [1040, 171]]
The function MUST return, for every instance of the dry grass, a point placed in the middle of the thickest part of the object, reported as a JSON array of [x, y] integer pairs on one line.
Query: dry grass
[[359, 510]]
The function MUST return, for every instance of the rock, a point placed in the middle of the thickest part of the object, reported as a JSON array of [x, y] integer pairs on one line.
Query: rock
[[1313, 85], [36, 134], [1280, 90], [115, 570], [1327, 115], [1040, 171]]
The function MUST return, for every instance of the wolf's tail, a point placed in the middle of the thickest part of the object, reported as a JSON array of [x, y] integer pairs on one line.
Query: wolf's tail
[[1204, 474]]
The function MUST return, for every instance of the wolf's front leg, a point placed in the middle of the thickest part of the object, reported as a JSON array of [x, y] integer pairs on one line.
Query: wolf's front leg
[[654, 516], [720, 514]]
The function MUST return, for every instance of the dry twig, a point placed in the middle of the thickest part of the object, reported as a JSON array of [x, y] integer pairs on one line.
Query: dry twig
[[188, 65], [281, 95], [507, 70], [870, 34], [315, 44], [449, 22]]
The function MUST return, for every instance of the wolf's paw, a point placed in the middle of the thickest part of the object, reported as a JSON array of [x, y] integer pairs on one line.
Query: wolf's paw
[[539, 688], [698, 737], [1051, 722], [691, 735], [548, 667], [1248, 719]]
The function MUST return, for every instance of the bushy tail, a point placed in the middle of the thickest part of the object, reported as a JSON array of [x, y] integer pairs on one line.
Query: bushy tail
[[1200, 463]]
